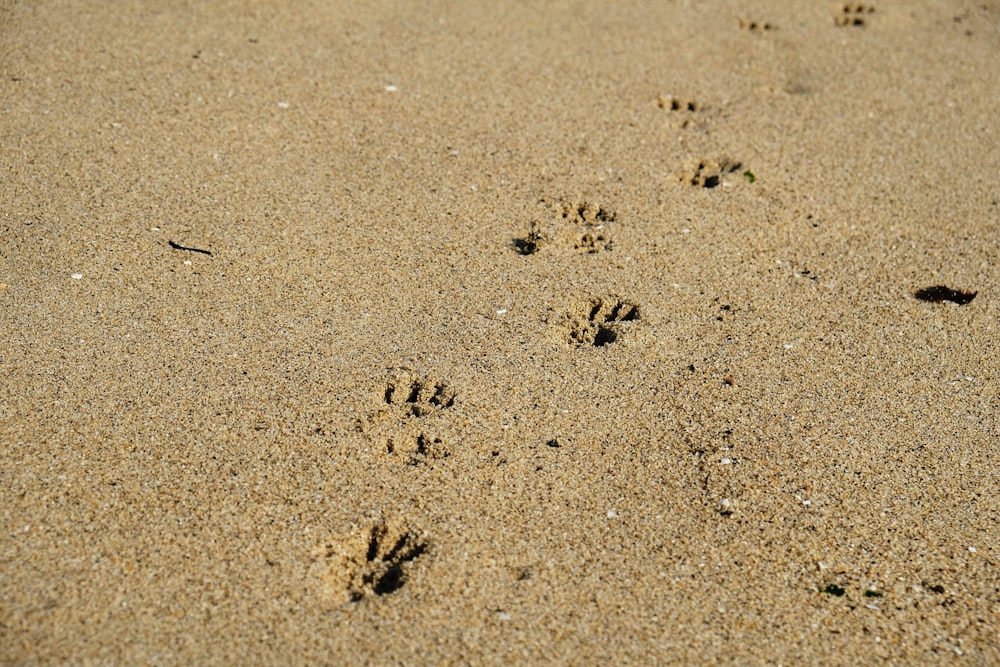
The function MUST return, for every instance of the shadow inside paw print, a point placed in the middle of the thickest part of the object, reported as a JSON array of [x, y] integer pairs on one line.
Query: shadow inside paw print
[[373, 562]]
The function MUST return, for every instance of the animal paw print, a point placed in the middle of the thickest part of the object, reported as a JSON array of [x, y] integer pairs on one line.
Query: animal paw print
[[755, 26], [683, 111], [707, 173], [376, 561], [591, 221], [418, 396], [598, 322], [852, 14], [581, 226], [671, 103], [416, 450], [412, 407], [587, 214]]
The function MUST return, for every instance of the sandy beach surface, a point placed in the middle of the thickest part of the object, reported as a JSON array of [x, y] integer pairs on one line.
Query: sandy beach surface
[[476, 333]]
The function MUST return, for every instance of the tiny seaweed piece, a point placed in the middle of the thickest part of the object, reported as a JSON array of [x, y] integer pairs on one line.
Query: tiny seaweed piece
[[834, 589], [872, 593], [532, 241], [750, 176], [940, 293], [178, 246]]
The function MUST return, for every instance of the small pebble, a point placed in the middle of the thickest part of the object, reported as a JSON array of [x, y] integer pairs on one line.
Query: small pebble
[[76, 276]]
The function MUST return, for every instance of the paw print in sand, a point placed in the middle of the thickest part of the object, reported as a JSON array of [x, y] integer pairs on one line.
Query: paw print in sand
[[707, 173], [371, 562], [683, 112], [597, 322], [581, 226], [852, 14], [406, 427]]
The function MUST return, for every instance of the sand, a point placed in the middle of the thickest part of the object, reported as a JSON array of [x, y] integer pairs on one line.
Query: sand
[[574, 333]]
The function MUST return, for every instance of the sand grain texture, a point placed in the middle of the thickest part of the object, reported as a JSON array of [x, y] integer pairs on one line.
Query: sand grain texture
[[568, 333]]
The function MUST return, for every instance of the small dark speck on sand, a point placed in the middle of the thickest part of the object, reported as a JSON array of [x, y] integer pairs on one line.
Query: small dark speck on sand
[[940, 293]]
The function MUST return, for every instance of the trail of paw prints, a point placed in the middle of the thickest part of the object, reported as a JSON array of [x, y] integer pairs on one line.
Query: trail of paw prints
[[596, 322], [374, 561], [706, 173], [584, 227], [403, 429], [853, 14]]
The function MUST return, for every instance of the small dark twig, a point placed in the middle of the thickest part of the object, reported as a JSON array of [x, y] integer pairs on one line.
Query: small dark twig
[[178, 246]]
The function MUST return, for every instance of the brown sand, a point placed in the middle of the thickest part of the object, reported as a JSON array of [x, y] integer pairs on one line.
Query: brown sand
[[366, 429]]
